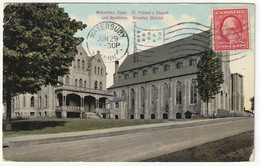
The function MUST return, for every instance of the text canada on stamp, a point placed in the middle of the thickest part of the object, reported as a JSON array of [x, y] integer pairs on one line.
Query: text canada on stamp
[[230, 29]]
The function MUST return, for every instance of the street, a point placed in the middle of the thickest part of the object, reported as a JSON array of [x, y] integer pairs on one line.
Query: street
[[130, 147]]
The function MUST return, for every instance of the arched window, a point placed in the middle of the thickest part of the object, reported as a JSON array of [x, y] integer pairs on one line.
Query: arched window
[[100, 85], [178, 93], [132, 99], [76, 82], [142, 97], [145, 72], [95, 71], [101, 71], [165, 95], [126, 76], [135, 74], [67, 80], [153, 96], [24, 101], [32, 101], [78, 64], [61, 79], [155, 70], [98, 70], [114, 93], [96, 85], [85, 84], [80, 83], [46, 101], [83, 65], [179, 65], [123, 94], [193, 92], [166, 67]]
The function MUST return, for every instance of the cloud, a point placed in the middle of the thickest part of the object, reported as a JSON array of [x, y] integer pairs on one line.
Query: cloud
[[92, 20], [170, 20]]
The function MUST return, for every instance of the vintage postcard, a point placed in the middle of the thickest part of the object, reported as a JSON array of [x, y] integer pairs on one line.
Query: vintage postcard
[[128, 82]]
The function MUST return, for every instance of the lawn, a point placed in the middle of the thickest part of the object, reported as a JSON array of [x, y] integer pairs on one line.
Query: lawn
[[44, 126], [235, 148]]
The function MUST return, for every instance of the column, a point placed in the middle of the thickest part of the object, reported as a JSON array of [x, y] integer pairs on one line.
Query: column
[[158, 102], [136, 104], [146, 102], [170, 100]]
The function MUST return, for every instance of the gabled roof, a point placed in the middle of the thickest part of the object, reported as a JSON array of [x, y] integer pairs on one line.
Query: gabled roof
[[187, 46]]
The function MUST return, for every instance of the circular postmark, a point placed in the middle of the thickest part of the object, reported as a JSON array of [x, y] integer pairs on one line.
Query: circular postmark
[[110, 39]]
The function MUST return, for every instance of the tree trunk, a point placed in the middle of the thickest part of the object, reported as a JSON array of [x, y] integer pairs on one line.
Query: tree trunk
[[8, 124], [207, 109]]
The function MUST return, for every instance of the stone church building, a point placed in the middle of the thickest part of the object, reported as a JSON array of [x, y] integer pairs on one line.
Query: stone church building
[[82, 93], [160, 83]]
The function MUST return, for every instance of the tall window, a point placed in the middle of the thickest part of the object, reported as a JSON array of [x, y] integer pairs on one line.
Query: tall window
[[178, 93], [24, 101], [100, 85], [80, 83], [61, 79], [67, 80], [76, 82], [78, 64], [96, 85], [40, 102], [98, 70], [114, 93], [83, 65], [132, 99], [32, 101], [123, 94], [142, 97], [153, 96], [95, 70], [101, 72], [85, 84], [165, 95], [46, 101], [193, 92]]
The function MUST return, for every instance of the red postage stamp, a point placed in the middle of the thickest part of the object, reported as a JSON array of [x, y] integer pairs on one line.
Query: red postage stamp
[[230, 29]]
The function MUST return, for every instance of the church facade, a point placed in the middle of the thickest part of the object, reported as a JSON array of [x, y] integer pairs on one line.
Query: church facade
[[160, 83], [81, 93]]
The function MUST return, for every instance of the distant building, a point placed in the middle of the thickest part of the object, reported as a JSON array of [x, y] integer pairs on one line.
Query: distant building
[[82, 93], [160, 83]]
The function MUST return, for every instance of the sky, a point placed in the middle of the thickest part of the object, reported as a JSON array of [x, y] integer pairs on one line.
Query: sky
[[241, 61]]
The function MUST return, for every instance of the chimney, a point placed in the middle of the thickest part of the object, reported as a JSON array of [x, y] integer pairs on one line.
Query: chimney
[[116, 69]]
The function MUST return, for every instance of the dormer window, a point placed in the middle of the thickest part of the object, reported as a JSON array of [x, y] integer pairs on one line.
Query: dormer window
[[145, 72], [135, 74], [126, 76], [179, 65], [155, 70]]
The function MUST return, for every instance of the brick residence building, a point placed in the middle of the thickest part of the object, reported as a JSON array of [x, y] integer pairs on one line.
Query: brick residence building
[[82, 94]]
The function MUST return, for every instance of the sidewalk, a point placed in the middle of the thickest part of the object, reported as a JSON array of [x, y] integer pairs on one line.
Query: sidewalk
[[73, 136]]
